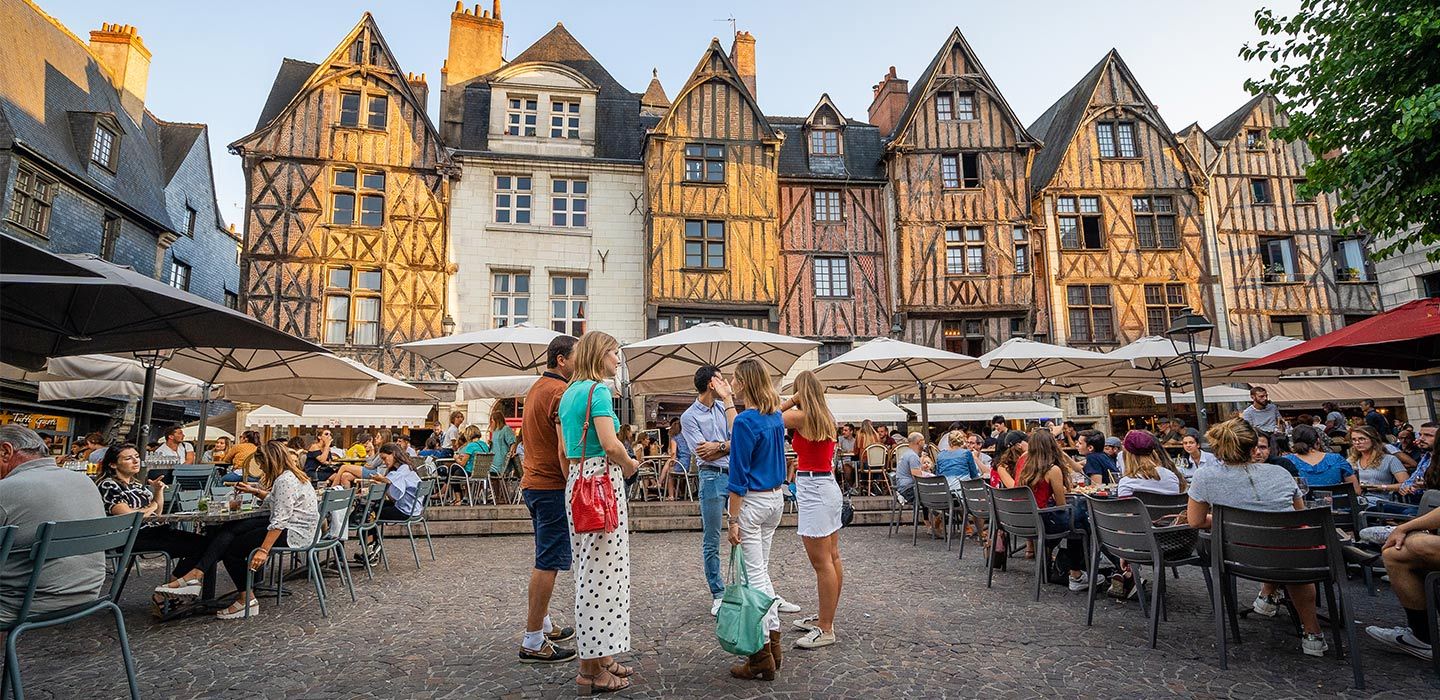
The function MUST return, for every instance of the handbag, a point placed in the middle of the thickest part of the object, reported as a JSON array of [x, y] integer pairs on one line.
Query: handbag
[[740, 622], [847, 511], [592, 500]]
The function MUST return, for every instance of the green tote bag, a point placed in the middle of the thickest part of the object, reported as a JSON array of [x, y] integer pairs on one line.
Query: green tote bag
[[740, 624]]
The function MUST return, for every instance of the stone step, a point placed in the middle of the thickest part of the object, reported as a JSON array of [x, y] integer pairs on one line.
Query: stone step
[[647, 523], [638, 509]]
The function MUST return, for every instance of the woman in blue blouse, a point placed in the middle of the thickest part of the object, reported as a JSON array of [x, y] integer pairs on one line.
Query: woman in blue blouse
[[1318, 466], [956, 463], [757, 472]]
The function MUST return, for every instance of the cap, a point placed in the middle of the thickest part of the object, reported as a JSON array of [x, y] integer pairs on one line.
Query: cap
[[1012, 439], [1140, 442], [1112, 441]]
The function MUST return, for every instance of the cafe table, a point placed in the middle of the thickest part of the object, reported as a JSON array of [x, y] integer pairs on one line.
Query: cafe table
[[201, 519]]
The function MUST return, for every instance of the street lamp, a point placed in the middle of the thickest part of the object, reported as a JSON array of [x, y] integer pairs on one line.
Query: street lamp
[[447, 325], [1191, 337], [151, 360]]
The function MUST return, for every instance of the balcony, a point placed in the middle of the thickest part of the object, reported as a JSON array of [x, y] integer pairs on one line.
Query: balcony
[[1350, 275], [1278, 276]]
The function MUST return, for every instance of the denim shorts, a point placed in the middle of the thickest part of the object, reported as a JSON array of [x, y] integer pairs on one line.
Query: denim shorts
[[552, 528]]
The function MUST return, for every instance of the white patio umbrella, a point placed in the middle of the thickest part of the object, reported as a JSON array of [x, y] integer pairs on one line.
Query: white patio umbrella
[[90, 376], [479, 388], [668, 362], [885, 367], [496, 352], [1020, 357], [1154, 357]]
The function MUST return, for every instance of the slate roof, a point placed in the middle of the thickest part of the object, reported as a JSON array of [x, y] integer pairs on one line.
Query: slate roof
[[288, 81], [1056, 126], [176, 140], [619, 131], [50, 86], [917, 92], [860, 157], [1230, 126]]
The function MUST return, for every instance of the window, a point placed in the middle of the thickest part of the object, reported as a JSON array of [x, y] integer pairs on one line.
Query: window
[[190, 215], [705, 245], [1351, 262], [966, 337], [1278, 256], [1429, 284], [102, 149], [352, 303], [1254, 140], [568, 297], [232, 300], [1298, 189], [825, 142], [349, 108], [109, 235], [1116, 139], [520, 118], [377, 111], [965, 251], [510, 293], [965, 105], [366, 187], [30, 201], [704, 162], [179, 275], [1017, 327], [1163, 303], [1082, 405], [569, 203], [1260, 191], [1290, 326], [827, 205], [1352, 319], [1080, 223], [564, 119], [944, 106], [832, 277], [960, 170], [1021, 236], [1155, 222], [357, 51], [830, 350], [512, 199], [1091, 315]]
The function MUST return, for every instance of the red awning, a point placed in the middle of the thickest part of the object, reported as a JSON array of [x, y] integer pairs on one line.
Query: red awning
[[1406, 338]]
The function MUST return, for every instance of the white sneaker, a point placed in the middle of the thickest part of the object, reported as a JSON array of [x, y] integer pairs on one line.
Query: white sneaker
[[1085, 581], [787, 607], [1267, 606], [715, 608], [1401, 639], [815, 639], [1314, 644], [805, 624]]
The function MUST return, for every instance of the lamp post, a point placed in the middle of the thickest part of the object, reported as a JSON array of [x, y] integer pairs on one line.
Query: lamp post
[[1191, 335], [447, 325], [151, 360]]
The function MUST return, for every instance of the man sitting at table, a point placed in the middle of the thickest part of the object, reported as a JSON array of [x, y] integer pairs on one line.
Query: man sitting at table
[[174, 447], [362, 447], [33, 490], [1099, 468], [1411, 552]]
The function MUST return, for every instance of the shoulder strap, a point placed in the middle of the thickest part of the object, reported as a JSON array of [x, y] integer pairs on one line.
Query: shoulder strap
[[585, 429]]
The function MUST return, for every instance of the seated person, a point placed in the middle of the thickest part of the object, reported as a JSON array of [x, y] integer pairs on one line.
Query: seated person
[[1192, 458], [1266, 451], [238, 457], [1172, 431], [1411, 552], [1319, 467], [317, 458], [294, 518], [217, 451], [1381, 473], [957, 463], [401, 490], [976, 444], [1144, 468], [34, 490], [1099, 467], [432, 447], [907, 467], [502, 439], [362, 448]]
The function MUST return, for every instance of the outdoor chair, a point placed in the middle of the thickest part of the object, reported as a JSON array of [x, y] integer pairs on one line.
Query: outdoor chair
[[876, 463], [192, 482], [932, 493], [1014, 512], [898, 503], [976, 502], [1159, 505], [59, 540], [647, 479], [1287, 547], [333, 500], [473, 481], [1124, 529], [1432, 607], [363, 520], [422, 494]]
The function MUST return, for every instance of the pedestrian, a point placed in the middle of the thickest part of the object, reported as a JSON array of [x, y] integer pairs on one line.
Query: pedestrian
[[588, 430], [542, 483], [817, 501], [705, 433], [1262, 413]]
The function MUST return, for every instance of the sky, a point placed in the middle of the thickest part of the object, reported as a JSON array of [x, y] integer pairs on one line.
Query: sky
[[213, 62]]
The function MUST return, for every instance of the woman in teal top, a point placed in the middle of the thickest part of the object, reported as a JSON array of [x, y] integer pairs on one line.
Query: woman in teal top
[[469, 455], [602, 559], [502, 438]]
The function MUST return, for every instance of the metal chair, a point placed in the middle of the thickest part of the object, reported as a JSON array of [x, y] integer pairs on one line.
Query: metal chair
[[1162, 504], [1432, 607], [975, 498], [1286, 548], [647, 479], [73, 538], [192, 482], [898, 503], [932, 493], [1014, 512], [422, 494], [364, 521], [1124, 529], [332, 501], [875, 462], [477, 478]]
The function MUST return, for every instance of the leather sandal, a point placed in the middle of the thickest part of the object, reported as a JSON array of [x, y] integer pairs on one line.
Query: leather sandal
[[590, 687], [618, 671]]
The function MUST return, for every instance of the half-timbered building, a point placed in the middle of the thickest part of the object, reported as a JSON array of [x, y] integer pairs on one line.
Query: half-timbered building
[[964, 256], [833, 271], [1285, 268], [346, 238], [711, 200]]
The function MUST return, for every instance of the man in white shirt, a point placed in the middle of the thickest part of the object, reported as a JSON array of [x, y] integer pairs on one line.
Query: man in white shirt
[[175, 446], [450, 440], [1261, 413]]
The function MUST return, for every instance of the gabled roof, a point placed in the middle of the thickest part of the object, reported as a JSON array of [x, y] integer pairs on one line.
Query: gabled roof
[[288, 81], [618, 128], [176, 140], [1230, 125], [860, 156], [730, 75], [922, 87]]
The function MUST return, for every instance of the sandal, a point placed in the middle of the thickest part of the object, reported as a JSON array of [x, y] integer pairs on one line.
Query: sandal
[[615, 669], [589, 687]]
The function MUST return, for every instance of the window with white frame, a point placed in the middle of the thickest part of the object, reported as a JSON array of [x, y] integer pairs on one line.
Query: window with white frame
[[512, 199], [521, 115], [944, 106], [1116, 139], [564, 119], [965, 106], [832, 277], [569, 295], [510, 298], [827, 205], [965, 250], [352, 306], [179, 275], [569, 202], [824, 142], [102, 149]]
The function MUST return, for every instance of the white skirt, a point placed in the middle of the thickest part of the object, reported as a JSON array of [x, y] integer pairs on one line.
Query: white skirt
[[818, 500]]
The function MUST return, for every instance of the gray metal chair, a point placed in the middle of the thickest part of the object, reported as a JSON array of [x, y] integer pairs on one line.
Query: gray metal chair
[[332, 501], [1124, 530], [366, 521], [975, 498], [59, 540], [1432, 607], [898, 503], [1288, 547], [422, 495], [1014, 512], [932, 493], [192, 482]]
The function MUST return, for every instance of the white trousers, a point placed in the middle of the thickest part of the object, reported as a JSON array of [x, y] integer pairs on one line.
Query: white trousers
[[759, 516]]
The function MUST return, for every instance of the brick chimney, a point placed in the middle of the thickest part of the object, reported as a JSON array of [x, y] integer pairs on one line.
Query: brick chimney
[[742, 53], [124, 56], [420, 87], [891, 93], [477, 41]]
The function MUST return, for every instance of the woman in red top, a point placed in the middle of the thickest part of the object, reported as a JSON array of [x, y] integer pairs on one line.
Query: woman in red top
[[817, 500], [1046, 471]]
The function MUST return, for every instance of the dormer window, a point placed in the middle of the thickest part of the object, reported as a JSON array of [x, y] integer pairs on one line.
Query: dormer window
[[1254, 140], [102, 148], [824, 142], [564, 119], [521, 116]]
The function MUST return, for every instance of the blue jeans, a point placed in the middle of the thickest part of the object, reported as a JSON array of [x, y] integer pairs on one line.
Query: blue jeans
[[713, 496], [1393, 508]]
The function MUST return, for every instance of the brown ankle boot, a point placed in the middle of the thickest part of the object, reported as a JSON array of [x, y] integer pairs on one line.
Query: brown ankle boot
[[775, 648], [759, 665]]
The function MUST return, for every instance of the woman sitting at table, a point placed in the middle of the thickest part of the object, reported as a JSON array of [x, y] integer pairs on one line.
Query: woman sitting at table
[[466, 457], [1011, 448], [1047, 472], [1145, 469], [956, 463], [217, 451], [1319, 467], [1381, 473], [401, 486], [317, 458], [238, 457], [1191, 458]]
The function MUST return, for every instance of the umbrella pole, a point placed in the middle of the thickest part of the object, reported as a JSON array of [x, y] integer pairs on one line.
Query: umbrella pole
[[924, 412], [1169, 404], [147, 403], [1200, 418], [204, 418]]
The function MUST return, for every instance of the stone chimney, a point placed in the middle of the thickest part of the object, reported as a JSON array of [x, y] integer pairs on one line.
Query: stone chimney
[[742, 53], [420, 88], [891, 94], [124, 56], [477, 41]]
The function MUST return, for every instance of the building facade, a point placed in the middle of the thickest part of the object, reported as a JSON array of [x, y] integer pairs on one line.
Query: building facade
[[546, 215], [964, 253], [85, 167], [346, 216]]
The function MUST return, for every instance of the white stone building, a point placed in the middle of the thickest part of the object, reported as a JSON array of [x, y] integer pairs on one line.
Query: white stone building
[[1406, 277]]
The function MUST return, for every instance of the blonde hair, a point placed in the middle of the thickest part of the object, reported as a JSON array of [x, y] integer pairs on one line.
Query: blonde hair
[[759, 390], [956, 438], [273, 459], [1148, 467], [819, 423], [589, 356], [1233, 441]]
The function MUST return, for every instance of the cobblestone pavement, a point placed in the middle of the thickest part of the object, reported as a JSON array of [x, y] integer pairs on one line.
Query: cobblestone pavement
[[914, 622]]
